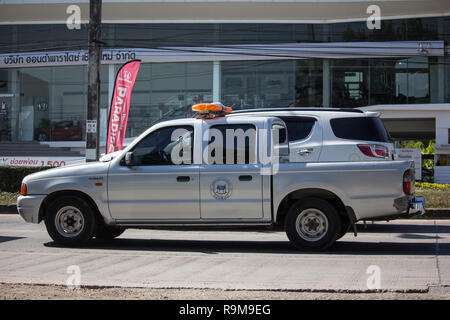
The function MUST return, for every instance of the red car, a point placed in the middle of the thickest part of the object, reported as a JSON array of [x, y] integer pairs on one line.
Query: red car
[[68, 130]]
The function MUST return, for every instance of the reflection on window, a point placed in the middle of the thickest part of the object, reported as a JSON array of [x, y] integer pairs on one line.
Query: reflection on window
[[165, 91], [257, 84], [350, 83], [165, 146], [308, 83]]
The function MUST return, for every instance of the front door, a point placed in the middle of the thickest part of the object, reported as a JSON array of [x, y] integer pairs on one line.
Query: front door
[[156, 187]]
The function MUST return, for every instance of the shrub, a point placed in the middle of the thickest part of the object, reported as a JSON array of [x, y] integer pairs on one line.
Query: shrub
[[434, 186], [11, 177]]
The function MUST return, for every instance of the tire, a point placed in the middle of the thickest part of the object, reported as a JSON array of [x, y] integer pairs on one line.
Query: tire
[[71, 221], [105, 232], [345, 226], [312, 224]]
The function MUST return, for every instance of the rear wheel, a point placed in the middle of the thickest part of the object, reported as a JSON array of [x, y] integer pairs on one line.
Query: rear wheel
[[312, 224], [70, 221], [345, 226]]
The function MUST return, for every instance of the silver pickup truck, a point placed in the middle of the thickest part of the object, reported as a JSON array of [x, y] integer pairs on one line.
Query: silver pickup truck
[[227, 171]]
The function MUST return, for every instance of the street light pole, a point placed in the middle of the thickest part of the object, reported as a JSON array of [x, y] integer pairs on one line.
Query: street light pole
[[93, 103]]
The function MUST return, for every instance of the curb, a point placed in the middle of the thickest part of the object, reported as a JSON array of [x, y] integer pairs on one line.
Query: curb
[[432, 213], [8, 209], [435, 213]]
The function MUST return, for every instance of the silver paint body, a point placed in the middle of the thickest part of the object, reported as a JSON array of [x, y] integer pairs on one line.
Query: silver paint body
[[151, 195]]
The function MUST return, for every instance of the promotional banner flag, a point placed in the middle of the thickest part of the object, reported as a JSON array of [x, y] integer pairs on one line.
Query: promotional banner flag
[[120, 105]]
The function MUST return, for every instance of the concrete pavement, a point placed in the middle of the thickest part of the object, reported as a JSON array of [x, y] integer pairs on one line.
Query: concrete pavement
[[410, 255]]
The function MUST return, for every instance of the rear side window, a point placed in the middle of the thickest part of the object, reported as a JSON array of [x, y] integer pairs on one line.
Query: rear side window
[[298, 127], [360, 128]]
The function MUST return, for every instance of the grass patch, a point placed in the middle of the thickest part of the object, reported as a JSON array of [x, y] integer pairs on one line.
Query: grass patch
[[8, 198], [435, 198]]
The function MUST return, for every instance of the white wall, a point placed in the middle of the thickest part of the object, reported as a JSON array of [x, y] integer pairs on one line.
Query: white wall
[[441, 113]]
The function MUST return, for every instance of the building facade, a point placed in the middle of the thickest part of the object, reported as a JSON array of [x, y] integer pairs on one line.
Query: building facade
[[246, 54]]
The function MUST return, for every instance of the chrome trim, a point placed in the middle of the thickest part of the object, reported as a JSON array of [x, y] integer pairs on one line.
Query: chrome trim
[[417, 205]]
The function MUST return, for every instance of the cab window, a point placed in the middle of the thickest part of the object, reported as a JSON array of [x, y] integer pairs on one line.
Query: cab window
[[166, 146], [232, 144]]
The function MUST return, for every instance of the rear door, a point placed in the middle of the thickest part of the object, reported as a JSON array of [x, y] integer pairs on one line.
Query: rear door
[[305, 138], [231, 187]]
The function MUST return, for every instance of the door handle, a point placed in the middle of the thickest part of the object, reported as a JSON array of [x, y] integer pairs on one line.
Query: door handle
[[245, 178], [303, 152], [183, 178]]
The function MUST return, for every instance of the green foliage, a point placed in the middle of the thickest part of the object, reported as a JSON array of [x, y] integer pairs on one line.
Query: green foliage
[[11, 177], [426, 149]]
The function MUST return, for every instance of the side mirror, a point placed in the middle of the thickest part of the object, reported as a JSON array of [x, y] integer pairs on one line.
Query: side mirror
[[129, 159]]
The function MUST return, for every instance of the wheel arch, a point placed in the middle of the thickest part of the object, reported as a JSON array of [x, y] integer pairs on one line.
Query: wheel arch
[[319, 193], [60, 193]]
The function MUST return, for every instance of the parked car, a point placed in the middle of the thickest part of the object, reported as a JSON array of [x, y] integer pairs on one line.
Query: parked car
[[67, 130], [144, 186]]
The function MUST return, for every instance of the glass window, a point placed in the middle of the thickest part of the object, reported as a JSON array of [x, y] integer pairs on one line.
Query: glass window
[[308, 83], [257, 84], [418, 80], [385, 82], [443, 160], [160, 147], [350, 83], [240, 150], [298, 127], [165, 91], [359, 128]]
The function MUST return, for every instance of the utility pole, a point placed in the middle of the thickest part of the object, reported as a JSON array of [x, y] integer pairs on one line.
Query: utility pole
[[93, 103]]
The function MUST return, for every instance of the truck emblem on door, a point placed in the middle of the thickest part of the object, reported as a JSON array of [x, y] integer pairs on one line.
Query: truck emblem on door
[[221, 188]]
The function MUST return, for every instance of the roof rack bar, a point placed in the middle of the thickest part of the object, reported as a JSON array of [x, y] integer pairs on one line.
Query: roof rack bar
[[298, 109]]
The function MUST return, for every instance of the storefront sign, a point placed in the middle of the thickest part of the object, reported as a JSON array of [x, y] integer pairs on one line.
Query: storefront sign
[[120, 105], [41, 161], [279, 51], [414, 155]]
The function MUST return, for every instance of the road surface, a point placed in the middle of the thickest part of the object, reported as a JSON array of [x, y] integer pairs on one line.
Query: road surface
[[401, 256]]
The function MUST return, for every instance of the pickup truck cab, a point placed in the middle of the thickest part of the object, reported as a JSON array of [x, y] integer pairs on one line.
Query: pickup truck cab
[[218, 171]]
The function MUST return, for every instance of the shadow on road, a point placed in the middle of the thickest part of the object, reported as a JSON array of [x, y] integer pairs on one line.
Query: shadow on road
[[406, 239], [402, 228], [4, 239], [273, 247]]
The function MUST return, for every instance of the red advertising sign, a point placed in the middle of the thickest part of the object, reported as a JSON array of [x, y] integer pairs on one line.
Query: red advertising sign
[[120, 105]]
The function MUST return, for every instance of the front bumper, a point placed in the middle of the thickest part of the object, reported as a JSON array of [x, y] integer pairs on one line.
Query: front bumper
[[28, 207], [417, 206]]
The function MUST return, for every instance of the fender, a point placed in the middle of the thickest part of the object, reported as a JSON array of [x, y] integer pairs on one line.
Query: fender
[[309, 185]]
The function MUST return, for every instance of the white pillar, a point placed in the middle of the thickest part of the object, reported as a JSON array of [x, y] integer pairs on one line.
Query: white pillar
[[326, 83], [216, 81]]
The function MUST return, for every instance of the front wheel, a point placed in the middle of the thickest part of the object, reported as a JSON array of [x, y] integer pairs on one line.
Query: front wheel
[[70, 221], [312, 224], [105, 232]]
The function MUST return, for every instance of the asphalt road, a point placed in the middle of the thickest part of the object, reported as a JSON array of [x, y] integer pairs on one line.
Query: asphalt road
[[408, 255]]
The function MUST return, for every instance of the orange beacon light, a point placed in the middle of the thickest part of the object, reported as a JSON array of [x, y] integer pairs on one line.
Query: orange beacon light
[[211, 110]]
